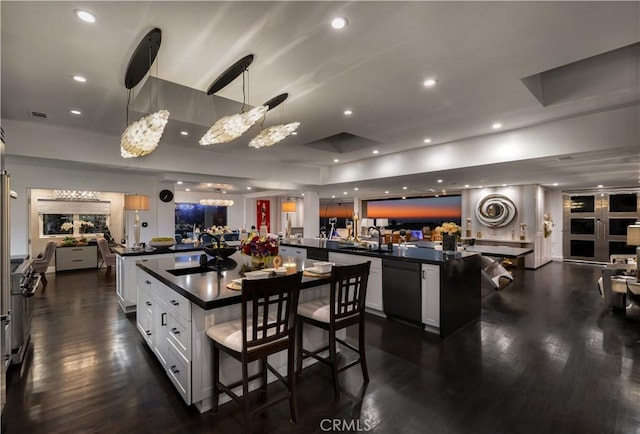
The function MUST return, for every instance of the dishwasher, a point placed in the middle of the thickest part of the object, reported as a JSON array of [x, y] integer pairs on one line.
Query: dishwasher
[[401, 290]]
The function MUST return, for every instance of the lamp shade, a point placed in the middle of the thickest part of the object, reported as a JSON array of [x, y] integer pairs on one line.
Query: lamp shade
[[633, 234], [288, 207], [136, 202], [382, 222]]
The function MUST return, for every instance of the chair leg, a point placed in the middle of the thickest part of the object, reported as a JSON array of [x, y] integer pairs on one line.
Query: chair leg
[[291, 384], [263, 377], [334, 362], [216, 378], [299, 349], [44, 281], [362, 353], [245, 396]]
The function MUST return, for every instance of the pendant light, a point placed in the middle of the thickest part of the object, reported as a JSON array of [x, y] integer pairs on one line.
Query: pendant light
[[142, 136], [272, 135]]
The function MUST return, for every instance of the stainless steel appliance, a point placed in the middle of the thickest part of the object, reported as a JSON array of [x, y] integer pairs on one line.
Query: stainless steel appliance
[[24, 283], [5, 274]]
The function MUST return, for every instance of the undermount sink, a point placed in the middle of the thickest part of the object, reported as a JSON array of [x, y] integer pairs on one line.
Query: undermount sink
[[191, 270]]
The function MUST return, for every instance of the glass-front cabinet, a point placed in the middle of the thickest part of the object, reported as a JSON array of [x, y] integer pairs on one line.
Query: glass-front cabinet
[[595, 224]]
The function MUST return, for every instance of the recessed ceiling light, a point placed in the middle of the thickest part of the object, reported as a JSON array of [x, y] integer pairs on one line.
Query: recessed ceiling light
[[348, 112], [76, 112], [600, 185], [355, 188], [375, 151], [504, 185], [430, 82], [386, 192], [555, 184], [248, 188], [79, 78], [179, 182], [224, 191], [404, 188], [295, 133], [184, 133], [335, 160], [344, 192], [439, 181], [466, 186], [437, 195], [187, 189], [404, 197], [302, 194], [496, 126], [85, 16], [480, 186], [209, 184], [339, 23], [333, 196], [427, 140]]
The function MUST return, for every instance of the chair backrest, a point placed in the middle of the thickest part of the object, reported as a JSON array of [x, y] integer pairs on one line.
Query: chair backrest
[[348, 290], [41, 264], [607, 292], [103, 245], [269, 308]]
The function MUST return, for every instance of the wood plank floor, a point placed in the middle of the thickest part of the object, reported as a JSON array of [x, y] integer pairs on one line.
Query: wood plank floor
[[545, 357]]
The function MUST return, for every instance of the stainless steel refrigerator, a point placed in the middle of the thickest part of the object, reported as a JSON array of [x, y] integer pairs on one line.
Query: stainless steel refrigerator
[[5, 273]]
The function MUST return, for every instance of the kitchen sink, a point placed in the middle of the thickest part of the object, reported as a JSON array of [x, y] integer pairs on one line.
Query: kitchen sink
[[191, 270]]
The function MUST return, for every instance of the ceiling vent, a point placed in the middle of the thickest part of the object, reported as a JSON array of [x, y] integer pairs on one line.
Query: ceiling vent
[[565, 158], [37, 114]]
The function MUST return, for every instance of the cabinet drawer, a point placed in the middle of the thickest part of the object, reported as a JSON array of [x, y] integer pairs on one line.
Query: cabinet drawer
[[74, 258], [178, 305], [179, 372], [143, 321], [180, 335]]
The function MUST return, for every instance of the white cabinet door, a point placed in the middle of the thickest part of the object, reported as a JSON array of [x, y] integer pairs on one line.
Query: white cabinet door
[[296, 252], [161, 330], [374, 285], [341, 258], [126, 287], [431, 295]]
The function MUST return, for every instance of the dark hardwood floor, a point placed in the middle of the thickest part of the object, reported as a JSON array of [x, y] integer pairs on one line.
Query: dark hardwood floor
[[546, 357]]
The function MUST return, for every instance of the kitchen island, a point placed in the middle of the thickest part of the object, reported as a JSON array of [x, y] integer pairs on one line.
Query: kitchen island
[[429, 288], [178, 300], [126, 259]]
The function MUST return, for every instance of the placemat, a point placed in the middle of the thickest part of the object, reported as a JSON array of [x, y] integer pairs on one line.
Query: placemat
[[313, 274]]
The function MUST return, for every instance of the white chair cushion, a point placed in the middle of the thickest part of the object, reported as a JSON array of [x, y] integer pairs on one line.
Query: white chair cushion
[[317, 309], [229, 333]]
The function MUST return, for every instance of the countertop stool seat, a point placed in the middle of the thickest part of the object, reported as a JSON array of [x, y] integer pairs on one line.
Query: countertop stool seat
[[267, 326], [344, 307]]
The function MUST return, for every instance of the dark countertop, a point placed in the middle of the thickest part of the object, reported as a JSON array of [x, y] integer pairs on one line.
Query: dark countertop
[[207, 290], [497, 251], [410, 254], [128, 251]]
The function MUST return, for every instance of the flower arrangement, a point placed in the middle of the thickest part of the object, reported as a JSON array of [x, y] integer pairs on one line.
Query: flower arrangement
[[449, 228], [216, 230], [66, 226], [257, 246], [547, 224]]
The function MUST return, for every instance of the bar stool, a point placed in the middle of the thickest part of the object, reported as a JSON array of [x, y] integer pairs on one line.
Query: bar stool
[[344, 307], [267, 326]]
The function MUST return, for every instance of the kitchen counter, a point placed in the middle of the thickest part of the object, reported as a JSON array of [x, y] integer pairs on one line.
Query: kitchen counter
[[207, 289], [178, 248]]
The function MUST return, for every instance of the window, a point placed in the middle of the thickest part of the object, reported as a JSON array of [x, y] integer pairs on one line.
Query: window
[[73, 218], [52, 224]]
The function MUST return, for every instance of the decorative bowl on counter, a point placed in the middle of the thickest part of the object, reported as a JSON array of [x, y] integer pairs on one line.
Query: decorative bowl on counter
[[162, 242], [323, 267]]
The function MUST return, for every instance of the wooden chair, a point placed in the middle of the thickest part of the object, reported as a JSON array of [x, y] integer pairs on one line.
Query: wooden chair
[[108, 257], [344, 307], [41, 263], [267, 326]]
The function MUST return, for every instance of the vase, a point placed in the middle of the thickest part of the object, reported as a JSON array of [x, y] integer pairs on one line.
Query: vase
[[449, 243], [257, 262]]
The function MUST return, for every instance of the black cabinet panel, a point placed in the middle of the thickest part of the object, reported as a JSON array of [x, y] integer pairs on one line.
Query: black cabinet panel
[[619, 226], [582, 204], [402, 290], [583, 226], [583, 248], [627, 202]]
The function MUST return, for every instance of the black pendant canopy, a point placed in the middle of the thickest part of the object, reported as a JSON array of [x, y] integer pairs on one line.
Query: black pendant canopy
[[142, 58], [230, 74], [276, 101]]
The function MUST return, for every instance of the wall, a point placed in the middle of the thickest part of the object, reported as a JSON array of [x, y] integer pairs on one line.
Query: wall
[[25, 176]]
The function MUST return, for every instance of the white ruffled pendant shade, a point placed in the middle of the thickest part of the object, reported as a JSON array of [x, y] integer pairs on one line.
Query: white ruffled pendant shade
[[233, 126], [142, 137], [272, 135]]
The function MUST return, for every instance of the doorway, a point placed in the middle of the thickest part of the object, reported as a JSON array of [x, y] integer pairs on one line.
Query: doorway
[[595, 224]]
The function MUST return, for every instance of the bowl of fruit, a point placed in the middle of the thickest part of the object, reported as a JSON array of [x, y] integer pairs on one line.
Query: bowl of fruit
[[162, 242]]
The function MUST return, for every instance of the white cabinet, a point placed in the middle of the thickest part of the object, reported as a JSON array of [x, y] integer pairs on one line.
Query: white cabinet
[[126, 288], [374, 285], [431, 296], [76, 257], [164, 321], [300, 253]]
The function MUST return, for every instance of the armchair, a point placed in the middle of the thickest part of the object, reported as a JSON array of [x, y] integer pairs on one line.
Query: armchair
[[41, 263], [108, 257]]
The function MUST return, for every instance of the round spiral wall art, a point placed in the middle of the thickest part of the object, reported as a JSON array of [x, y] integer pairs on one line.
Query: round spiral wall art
[[496, 210]]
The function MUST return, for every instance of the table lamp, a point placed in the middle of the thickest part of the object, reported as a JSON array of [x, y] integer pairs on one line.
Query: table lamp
[[633, 239], [136, 202], [381, 223], [288, 208]]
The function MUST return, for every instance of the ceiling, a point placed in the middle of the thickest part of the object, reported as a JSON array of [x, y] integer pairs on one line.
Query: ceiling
[[478, 53]]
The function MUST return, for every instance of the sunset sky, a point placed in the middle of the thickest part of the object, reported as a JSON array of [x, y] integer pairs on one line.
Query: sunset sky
[[431, 208]]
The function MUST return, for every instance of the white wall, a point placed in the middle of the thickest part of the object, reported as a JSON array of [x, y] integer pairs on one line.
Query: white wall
[[25, 176]]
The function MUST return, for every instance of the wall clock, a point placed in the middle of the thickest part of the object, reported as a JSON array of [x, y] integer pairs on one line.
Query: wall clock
[[166, 195]]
